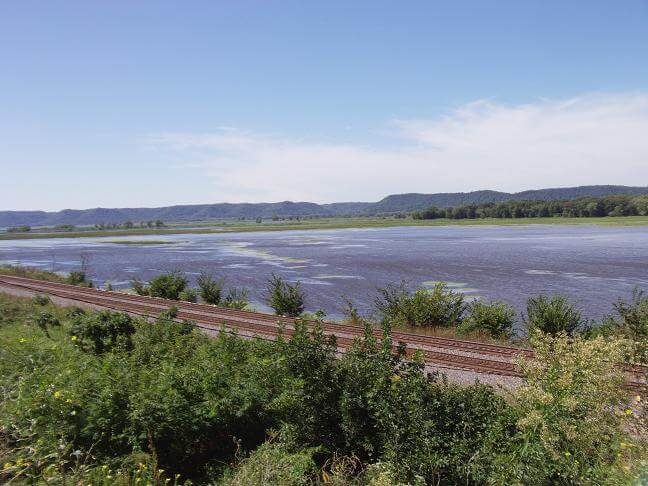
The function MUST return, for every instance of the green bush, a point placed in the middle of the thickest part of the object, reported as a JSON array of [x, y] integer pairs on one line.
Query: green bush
[[102, 331], [236, 298], [77, 278], [494, 319], [42, 300], [630, 322], [72, 312], [168, 286], [633, 316], [191, 405], [189, 295], [572, 417], [274, 463], [211, 290], [553, 315], [139, 288], [286, 299], [436, 307], [46, 320]]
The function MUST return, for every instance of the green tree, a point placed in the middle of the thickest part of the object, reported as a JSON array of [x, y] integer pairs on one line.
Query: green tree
[[211, 290], [168, 286], [286, 299]]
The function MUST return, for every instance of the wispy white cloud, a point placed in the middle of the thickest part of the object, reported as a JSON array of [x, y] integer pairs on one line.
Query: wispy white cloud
[[595, 139]]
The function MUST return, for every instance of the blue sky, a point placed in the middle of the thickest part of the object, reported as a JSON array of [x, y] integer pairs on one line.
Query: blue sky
[[154, 103]]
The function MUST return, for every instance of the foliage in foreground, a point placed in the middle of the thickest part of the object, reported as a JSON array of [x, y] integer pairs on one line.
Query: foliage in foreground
[[630, 321], [571, 415], [165, 400]]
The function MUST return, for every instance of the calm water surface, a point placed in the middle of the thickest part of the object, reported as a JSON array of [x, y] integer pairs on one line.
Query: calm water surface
[[592, 264]]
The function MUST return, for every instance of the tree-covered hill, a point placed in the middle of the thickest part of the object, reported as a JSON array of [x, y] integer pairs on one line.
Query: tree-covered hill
[[391, 204]]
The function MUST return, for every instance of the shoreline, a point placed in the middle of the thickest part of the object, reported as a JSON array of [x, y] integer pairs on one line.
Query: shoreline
[[333, 223]]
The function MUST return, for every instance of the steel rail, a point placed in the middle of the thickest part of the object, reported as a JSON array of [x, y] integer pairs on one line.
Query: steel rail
[[267, 325]]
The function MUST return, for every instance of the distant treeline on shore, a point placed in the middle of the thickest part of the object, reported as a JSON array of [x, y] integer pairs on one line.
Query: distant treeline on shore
[[585, 207]]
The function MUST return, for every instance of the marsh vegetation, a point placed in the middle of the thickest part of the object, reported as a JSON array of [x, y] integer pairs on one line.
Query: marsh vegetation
[[103, 398]]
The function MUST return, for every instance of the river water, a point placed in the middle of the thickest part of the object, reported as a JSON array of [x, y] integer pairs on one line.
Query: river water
[[594, 265]]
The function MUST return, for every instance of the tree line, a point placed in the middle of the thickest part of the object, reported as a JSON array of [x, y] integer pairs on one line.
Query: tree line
[[130, 225], [586, 207]]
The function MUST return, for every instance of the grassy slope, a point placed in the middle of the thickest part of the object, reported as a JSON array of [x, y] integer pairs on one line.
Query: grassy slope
[[331, 223], [31, 273]]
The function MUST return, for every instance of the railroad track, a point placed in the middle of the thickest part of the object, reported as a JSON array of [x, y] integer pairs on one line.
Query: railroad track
[[439, 352]]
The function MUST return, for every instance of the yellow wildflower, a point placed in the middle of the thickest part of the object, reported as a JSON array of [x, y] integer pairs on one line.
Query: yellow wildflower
[[57, 394], [73, 338], [629, 411]]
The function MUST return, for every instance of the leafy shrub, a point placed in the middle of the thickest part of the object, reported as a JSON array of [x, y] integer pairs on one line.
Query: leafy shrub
[[170, 314], [630, 322], [77, 278], [436, 307], [634, 316], [182, 402], [274, 463], [210, 289], [46, 320], [431, 432], [236, 298], [103, 331], [286, 299], [351, 312], [139, 288], [74, 311], [42, 300], [570, 418], [189, 295], [144, 473], [168, 286], [495, 319], [553, 315]]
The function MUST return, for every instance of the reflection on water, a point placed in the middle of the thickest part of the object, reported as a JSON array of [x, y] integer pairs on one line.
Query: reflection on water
[[593, 265]]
